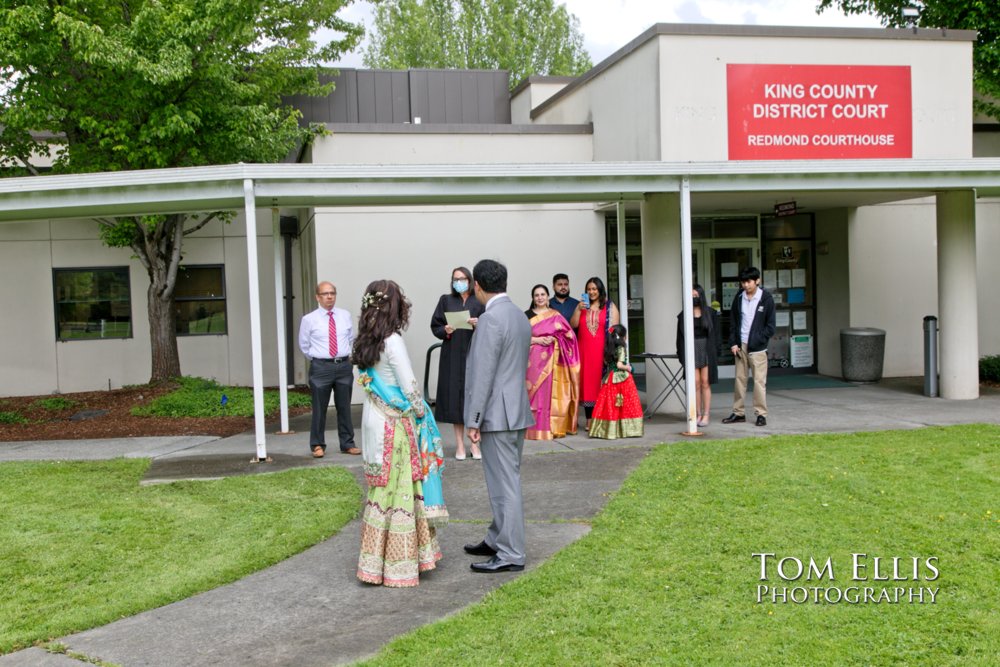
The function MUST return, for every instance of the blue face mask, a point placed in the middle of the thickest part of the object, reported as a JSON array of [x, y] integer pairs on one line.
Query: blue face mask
[[460, 285]]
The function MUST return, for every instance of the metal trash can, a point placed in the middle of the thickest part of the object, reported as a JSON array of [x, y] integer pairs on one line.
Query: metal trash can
[[862, 353]]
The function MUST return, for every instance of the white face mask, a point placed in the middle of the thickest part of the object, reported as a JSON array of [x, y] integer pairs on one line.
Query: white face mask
[[460, 285]]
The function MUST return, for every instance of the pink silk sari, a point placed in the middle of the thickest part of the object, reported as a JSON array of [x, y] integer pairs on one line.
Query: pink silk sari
[[553, 378]]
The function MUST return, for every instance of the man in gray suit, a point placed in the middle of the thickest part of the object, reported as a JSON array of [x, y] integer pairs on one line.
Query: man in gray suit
[[497, 410]]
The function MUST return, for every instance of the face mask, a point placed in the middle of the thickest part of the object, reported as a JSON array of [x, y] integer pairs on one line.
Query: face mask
[[460, 285], [697, 301]]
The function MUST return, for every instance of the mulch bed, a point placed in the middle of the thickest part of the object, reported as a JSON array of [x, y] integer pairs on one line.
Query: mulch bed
[[118, 422]]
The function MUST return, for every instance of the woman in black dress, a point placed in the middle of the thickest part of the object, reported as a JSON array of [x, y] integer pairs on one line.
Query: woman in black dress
[[450, 397], [706, 351]]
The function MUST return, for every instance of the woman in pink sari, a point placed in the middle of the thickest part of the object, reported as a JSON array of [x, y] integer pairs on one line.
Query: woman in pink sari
[[553, 370]]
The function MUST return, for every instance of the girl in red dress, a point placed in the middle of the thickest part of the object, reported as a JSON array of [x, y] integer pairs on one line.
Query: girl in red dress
[[617, 413]]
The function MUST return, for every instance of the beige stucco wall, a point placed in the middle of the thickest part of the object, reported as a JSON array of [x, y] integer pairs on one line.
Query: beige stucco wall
[[893, 285], [693, 84], [530, 97], [35, 363], [623, 104], [418, 246], [833, 286]]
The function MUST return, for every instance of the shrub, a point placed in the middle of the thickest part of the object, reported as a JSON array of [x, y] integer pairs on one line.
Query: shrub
[[989, 368], [200, 397], [12, 417], [54, 403]]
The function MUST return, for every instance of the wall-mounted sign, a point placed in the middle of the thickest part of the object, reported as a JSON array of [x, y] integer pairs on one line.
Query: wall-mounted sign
[[782, 112], [785, 208]]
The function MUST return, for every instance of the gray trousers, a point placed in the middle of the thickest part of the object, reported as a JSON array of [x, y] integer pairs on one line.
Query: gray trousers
[[502, 467], [326, 376]]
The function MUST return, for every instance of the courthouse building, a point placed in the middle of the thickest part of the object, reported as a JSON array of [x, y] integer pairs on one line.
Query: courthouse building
[[732, 102]]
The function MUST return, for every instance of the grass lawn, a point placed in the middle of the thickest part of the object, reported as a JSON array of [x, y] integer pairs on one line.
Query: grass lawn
[[82, 544], [667, 575]]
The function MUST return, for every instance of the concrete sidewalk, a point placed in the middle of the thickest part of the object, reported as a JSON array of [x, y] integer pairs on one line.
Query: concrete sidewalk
[[311, 610]]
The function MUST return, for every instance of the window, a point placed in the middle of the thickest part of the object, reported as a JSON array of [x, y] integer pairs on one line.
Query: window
[[92, 303], [200, 300]]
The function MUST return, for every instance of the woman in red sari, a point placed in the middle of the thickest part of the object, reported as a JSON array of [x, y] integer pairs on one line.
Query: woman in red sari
[[592, 320], [553, 370]]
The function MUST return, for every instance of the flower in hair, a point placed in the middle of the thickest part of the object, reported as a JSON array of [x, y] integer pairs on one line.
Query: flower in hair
[[372, 300]]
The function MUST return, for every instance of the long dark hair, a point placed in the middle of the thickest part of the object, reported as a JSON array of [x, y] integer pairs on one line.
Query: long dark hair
[[614, 340], [468, 277], [706, 317], [602, 293], [385, 310]]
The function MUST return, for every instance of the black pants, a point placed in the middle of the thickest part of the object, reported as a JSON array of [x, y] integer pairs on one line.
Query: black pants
[[326, 375]]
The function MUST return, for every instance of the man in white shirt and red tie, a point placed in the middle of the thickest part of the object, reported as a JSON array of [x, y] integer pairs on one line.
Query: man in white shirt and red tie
[[325, 337]]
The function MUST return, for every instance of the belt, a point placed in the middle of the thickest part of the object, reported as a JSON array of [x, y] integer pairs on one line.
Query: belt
[[338, 360]]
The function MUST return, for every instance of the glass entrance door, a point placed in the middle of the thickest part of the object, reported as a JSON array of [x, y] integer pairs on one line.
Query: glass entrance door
[[716, 266]]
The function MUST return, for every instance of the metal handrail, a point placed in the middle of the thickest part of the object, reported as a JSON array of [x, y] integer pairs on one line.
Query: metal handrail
[[427, 373]]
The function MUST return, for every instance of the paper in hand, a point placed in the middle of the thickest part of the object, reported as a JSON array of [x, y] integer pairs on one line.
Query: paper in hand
[[458, 319]]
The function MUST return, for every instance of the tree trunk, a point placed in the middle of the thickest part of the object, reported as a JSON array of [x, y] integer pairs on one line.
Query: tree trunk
[[159, 249], [166, 361]]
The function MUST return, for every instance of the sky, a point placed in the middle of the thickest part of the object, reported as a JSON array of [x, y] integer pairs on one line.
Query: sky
[[608, 25]]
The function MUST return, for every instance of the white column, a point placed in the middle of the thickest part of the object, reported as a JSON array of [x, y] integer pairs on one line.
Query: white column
[[661, 269], [958, 315], [686, 287], [279, 316], [622, 268], [256, 354]]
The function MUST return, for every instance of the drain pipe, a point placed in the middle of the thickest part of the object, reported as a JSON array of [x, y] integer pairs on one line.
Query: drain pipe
[[289, 226]]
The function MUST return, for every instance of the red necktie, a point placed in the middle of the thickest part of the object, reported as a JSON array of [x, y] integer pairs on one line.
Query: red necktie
[[333, 335]]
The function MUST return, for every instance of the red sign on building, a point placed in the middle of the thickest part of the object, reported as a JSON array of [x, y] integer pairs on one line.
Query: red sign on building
[[785, 112]]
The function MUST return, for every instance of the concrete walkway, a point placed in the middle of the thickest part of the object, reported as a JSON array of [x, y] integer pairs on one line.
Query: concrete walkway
[[311, 610]]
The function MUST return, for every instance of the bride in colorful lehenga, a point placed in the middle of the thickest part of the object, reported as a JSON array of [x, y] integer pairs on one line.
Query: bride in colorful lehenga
[[401, 447]]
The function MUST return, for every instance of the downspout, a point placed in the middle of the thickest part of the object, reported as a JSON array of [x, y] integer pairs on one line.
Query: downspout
[[289, 232]]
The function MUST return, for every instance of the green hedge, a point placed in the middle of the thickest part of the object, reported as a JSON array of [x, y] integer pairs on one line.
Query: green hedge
[[989, 368]]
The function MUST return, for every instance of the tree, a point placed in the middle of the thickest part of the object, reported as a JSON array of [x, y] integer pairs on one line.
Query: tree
[[979, 15], [108, 85], [523, 36]]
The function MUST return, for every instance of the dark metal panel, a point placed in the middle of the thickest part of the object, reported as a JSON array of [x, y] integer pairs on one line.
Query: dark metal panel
[[337, 107], [468, 97], [485, 99], [419, 100], [351, 96], [366, 97], [435, 98], [400, 97], [383, 96], [501, 97], [452, 97]]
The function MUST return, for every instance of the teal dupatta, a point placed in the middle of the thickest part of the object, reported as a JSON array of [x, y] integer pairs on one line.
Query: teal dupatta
[[428, 441]]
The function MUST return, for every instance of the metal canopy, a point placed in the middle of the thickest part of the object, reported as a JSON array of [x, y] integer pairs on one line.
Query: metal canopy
[[713, 185], [700, 186]]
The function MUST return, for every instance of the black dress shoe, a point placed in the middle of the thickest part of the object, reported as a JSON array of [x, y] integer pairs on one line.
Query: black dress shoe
[[761, 420], [481, 549], [496, 565], [733, 418]]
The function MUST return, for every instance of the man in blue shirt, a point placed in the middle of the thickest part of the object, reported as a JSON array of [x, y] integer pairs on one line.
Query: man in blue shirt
[[561, 300]]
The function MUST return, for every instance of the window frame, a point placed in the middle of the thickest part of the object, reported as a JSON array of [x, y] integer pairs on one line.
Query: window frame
[[56, 301], [224, 299]]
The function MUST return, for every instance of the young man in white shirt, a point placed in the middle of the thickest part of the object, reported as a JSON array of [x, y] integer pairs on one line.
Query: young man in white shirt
[[752, 326]]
